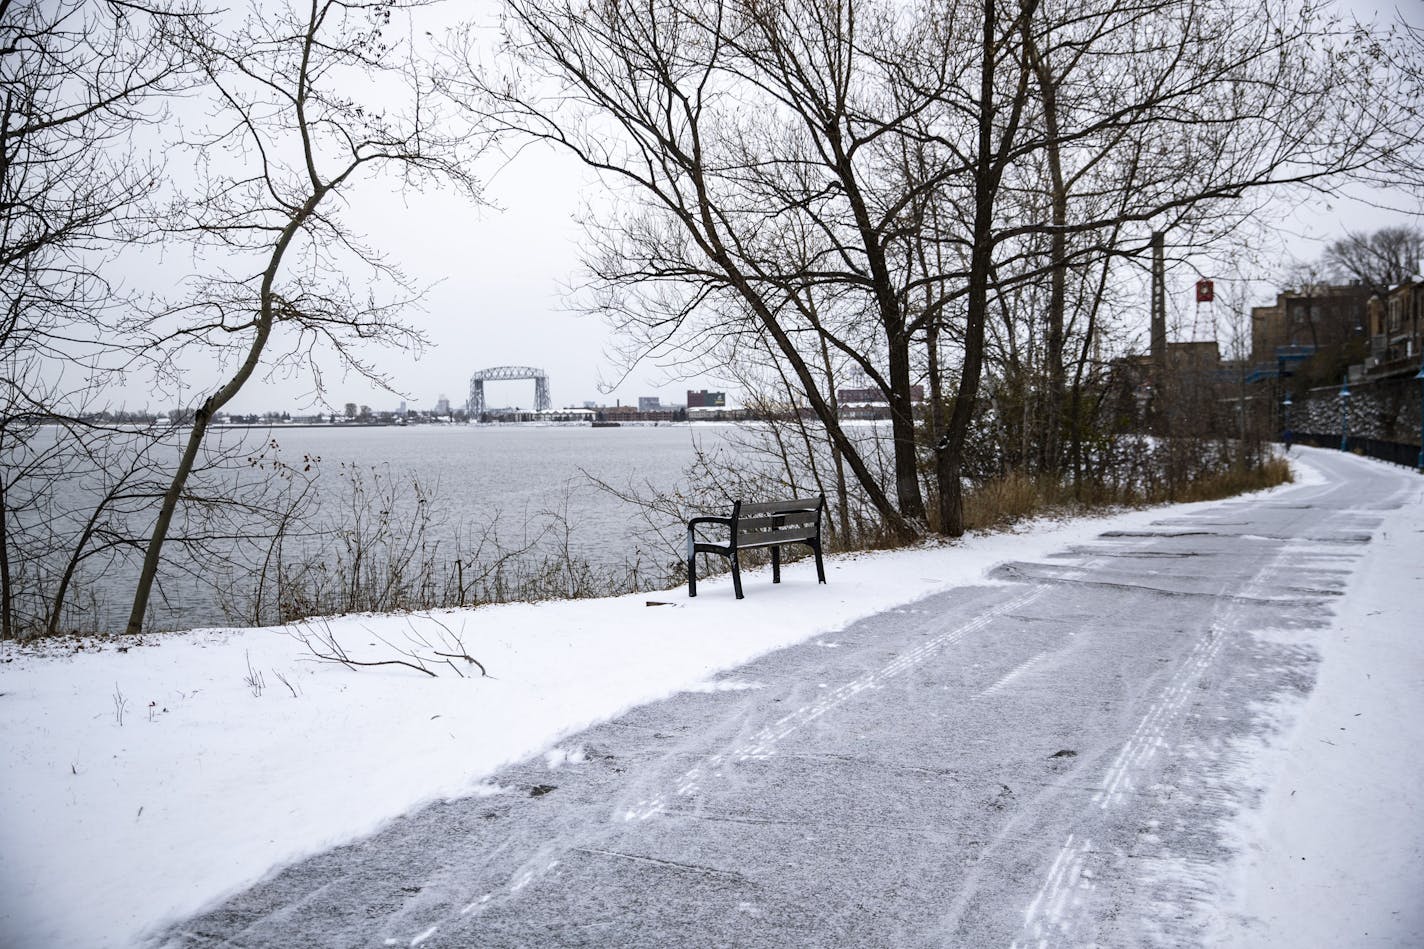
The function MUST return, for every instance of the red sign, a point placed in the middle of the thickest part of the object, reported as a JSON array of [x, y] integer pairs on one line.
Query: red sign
[[1204, 291]]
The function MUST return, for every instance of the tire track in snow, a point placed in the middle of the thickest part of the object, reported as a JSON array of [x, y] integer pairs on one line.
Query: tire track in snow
[[1013, 674], [760, 745], [1060, 906], [1068, 882], [1150, 734], [763, 743]]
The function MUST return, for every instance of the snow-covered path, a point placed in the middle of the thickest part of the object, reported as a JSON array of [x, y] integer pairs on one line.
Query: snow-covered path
[[1099, 745]]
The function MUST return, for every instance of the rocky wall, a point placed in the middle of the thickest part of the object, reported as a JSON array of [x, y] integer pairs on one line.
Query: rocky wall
[[1387, 410]]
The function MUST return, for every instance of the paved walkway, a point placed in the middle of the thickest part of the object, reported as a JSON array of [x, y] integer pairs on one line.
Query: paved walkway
[[1041, 760]]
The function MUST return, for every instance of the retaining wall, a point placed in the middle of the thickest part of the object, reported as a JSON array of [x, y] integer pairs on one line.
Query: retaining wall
[[1387, 410]]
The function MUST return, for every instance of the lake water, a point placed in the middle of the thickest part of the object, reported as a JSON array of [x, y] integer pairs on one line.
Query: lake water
[[518, 470], [518, 474], [485, 489], [510, 476]]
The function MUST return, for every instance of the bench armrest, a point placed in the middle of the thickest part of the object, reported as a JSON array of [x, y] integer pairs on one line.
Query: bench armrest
[[724, 521], [692, 533]]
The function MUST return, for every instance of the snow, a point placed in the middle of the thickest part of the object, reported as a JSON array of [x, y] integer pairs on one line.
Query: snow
[[142, 785], [1340, 828]]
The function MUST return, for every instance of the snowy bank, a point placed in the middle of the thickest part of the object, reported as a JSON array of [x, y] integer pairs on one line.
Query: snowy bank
[[1334, 854], [143, 783]]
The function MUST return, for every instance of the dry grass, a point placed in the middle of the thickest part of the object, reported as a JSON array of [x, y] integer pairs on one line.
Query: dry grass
[[1233, 481], [1014, 497], [1011, 498]]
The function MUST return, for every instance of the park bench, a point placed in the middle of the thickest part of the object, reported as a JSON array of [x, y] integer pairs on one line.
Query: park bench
[[760, 524]]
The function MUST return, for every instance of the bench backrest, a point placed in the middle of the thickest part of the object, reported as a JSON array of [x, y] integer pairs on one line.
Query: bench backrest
[[762, 523]]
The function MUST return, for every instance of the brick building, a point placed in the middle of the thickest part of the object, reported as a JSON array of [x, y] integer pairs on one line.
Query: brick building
[[702, 399], [874, 394], [1397, 330], [1322, 316]]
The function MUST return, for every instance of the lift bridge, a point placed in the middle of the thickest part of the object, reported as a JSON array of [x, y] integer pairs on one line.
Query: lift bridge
[[476, 405]]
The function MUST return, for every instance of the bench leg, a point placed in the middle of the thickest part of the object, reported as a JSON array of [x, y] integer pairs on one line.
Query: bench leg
[[691, 563], [820, 567], [776, 564], [736, 575]]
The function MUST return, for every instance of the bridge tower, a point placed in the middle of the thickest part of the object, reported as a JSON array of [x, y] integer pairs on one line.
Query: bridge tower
[[475, 406]]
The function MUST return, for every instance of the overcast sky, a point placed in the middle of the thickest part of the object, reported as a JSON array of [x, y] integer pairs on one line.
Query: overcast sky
[[497, 277]]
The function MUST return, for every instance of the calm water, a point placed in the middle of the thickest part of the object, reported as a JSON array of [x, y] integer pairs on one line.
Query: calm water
[[512, 484], [517, 473], [512, 476]]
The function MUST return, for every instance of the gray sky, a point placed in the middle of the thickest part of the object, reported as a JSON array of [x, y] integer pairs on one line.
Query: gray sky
[[496, 279]]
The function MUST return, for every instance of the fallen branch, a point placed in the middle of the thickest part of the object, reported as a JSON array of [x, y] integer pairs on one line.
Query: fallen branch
[[421, 653]]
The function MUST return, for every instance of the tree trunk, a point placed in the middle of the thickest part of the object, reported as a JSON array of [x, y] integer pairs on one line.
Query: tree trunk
[[902, 430], [988, 173], [7, 606], [1075, 400], [707, 235], [154, 553], [267, 314], [1058, 262], [1057, 305], [842, 502], [908, 497], [897, 524], [943, 472], [72, 567]]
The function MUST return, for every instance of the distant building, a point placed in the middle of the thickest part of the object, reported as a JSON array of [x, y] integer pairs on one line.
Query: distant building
[[1188, 358], [1200, 356], [702, 399], [442, 406], [1397, 330], [874, 394], [648, 403], [1320, 317]]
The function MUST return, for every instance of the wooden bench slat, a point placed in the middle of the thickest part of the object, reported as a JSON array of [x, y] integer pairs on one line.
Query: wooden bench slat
[[774, 507], [769, 538], [796, 519]]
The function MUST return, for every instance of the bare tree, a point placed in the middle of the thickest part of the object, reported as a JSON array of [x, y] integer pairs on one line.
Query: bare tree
[[79, 79], [1380, 260], [307, 100], [1185, 119], [867, 179], [760, 144], [1399, 171]]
